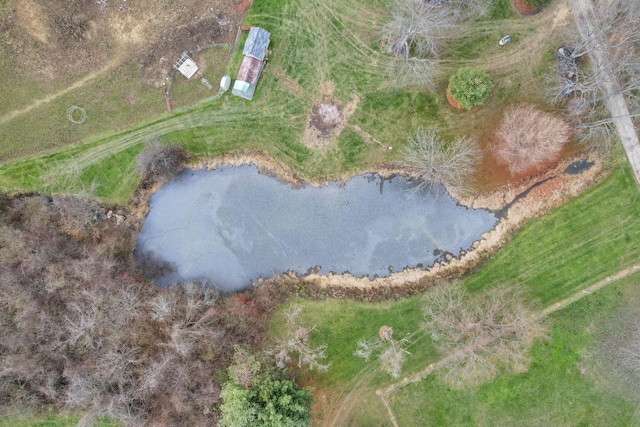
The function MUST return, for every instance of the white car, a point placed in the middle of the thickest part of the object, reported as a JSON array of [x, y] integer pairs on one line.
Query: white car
[[504, 40]]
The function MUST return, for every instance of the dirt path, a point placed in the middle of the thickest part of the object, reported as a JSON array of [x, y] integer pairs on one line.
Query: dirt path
[[357, 389], [419, 376], [584, 15], [38, 102]]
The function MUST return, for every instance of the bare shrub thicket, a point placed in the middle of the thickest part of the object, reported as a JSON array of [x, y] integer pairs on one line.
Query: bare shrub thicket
[[528, 138], [296, 343], [487, 333], [79, 214], [157, 162], [434, 160], [81, 329], [390, 352]]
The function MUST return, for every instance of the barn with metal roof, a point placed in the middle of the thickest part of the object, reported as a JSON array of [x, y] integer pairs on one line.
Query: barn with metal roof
[[255, 51]]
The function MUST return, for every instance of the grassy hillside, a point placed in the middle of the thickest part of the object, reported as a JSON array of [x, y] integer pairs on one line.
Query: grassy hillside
[[320, 52]]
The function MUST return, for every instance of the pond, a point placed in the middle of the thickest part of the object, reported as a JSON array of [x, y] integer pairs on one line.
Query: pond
[[231, 226]]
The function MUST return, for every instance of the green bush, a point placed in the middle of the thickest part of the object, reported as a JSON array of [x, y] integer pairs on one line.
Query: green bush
[[470, 86], [271, 400]]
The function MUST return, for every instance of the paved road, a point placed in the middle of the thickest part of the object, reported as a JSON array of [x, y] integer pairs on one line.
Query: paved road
[[584, 14]]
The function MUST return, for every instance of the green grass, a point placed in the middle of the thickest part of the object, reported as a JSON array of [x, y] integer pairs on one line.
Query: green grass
[[553, 392], [574, 246], [583, 242], [314, 44], [114, 102]]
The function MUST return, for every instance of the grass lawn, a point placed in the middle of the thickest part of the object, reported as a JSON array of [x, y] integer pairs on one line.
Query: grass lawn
[[114, 102], [320, 52], [574, 246], [562, 387]]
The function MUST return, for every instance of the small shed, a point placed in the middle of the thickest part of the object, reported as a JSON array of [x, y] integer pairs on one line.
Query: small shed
[[257, 43], [186, 65], [255, 51]]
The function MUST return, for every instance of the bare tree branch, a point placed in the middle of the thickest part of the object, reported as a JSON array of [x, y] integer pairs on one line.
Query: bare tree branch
[[391, 352], [296, 343], [436, 161], [528, 137], [489, 332]]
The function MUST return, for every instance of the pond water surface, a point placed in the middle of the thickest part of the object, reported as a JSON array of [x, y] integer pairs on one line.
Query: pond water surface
[[230, 226]]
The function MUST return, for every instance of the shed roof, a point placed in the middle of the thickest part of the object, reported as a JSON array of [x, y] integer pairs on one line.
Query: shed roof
[[257, 43], [248, 74]]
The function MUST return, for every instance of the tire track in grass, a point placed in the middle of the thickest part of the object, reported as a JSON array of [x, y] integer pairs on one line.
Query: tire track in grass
[[83, 81], [356, 391], [71, 169]]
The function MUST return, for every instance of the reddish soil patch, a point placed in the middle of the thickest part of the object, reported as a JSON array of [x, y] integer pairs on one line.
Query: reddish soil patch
[[523, 8], [492, 175], [452, 101]]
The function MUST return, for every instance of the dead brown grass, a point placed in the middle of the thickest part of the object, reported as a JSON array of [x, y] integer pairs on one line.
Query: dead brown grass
[[63, 38]]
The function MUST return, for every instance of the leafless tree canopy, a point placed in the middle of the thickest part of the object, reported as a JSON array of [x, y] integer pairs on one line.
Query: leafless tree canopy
[[487, 333], [527, 138], [80, 328], [411, 36], [390, 352], [434, 160], [618, 35], [414, 32], [296, 343], [415, 27]]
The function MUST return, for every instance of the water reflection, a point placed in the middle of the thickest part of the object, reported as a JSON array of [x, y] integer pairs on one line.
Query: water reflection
[[233, 225]]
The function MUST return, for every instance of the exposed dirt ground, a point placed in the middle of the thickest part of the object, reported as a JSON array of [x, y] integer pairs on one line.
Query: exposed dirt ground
[[59, 39], [522, 8], [327, 117]]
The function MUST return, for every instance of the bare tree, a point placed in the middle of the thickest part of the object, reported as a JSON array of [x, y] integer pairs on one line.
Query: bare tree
[[435, 161], [296, 343], [486, 333], [157, 162], [411, 36], [78, 214], [391, 352], [613, 33], [471, 9], [244, 367], [528, 137]]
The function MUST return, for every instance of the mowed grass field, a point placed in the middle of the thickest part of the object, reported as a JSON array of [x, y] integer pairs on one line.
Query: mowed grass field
[[568, 383], [590, 238], [320, 52]]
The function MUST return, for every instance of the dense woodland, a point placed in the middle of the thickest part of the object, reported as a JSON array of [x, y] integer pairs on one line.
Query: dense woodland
[[82, 328]]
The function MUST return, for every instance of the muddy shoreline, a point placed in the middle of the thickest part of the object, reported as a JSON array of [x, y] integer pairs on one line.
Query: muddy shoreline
[[516, 203]]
